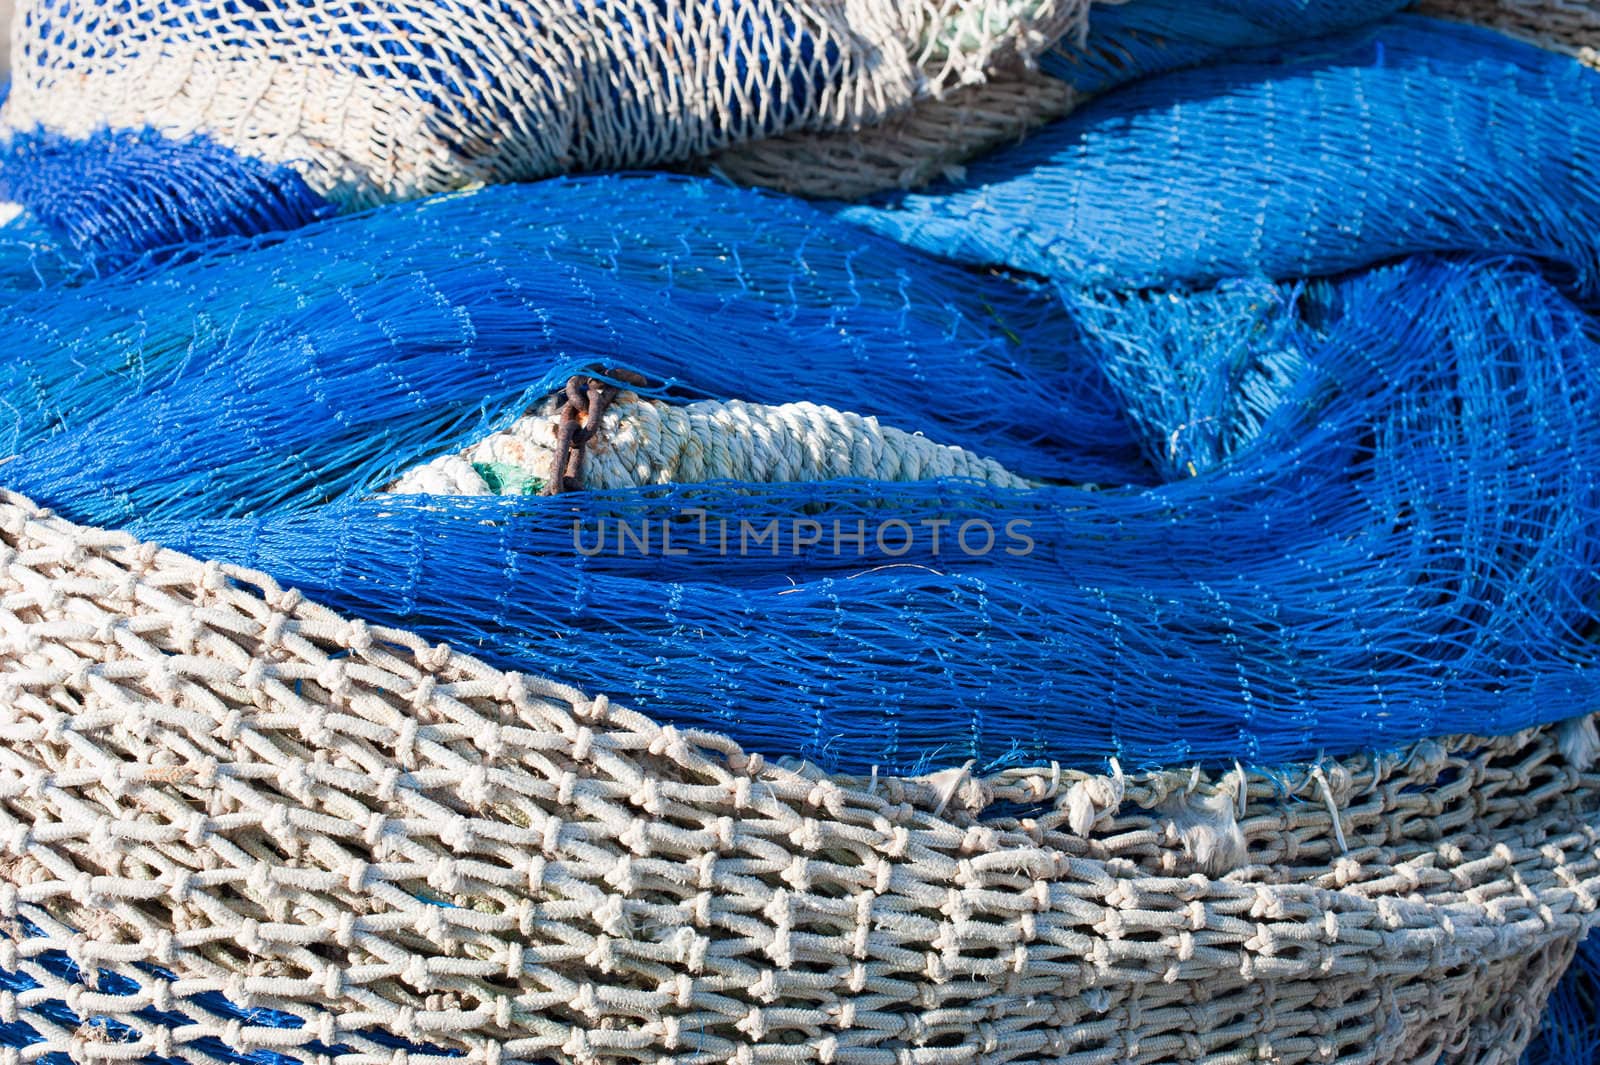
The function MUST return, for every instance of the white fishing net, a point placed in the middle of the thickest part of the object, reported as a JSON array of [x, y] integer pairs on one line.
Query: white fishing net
[[375, 101]]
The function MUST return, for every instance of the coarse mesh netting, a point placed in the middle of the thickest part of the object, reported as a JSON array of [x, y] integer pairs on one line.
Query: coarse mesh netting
[[1242, 417], [373, 101], [238, 824]]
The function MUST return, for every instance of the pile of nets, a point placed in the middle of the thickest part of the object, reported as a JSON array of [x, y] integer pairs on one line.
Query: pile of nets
[[1303, 509], [1244, 415], [268, 112]]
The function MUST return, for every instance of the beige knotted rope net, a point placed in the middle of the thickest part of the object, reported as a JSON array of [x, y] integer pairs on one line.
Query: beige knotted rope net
[[208, 784], [414, 97], [1570, 26]]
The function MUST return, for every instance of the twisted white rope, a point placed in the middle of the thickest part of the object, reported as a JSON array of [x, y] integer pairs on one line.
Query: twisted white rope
[[646, 442]]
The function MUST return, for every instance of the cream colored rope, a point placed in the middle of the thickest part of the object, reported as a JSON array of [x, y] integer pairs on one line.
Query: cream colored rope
[[647, 442]]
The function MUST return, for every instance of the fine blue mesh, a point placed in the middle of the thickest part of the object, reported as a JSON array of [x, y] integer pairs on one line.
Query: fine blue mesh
[[1416, 136], [1570, 1034], [117, 194], [447, 312], [1352, 513], [32, 259]]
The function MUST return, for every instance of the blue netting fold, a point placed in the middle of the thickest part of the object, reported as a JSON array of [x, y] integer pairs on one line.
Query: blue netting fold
[[1416, 135], [117, 194], [1330, 516], [1277, 520]]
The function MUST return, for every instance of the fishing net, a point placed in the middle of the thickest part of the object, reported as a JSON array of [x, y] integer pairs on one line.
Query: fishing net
[[337, 366], [238, 153], [936, 136], [372, 102], [1269, 521], [1132, 598], [1351, 150], [242, 824]]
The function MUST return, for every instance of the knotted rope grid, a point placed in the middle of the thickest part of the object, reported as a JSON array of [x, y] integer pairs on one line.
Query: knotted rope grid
[[211, 785], [234, 821]]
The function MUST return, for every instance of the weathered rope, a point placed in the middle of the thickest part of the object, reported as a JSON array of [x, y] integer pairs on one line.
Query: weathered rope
[[632, 442], [380, 840]]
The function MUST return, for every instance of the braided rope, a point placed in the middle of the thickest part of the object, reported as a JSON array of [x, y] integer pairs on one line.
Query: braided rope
[[204, 773], [645, 442]]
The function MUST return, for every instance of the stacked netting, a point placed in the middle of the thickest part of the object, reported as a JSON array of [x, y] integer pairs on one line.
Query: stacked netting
[[1224, 448]]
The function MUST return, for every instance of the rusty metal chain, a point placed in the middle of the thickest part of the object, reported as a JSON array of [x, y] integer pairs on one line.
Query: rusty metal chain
[[587, 400]]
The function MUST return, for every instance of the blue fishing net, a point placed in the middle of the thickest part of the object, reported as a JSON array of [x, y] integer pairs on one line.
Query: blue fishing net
[[1276, 519], [1570, 1034], [1144, 37], [117, 194], [1415, 136], [1298, 347]]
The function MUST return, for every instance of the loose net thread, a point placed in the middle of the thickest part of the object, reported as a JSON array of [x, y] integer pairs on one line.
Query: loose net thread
[[1568, 1035], [349, 827]]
